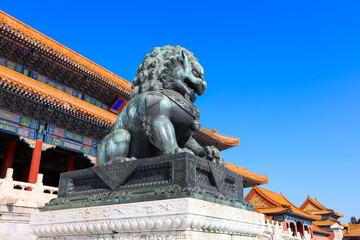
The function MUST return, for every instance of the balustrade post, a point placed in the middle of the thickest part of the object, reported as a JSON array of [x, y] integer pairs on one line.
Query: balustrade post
[[8, 183], [276, 231], [39, 187], [337, 228]]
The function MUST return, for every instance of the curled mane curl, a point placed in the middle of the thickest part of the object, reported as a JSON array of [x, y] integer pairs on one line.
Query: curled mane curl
[[157, 70]]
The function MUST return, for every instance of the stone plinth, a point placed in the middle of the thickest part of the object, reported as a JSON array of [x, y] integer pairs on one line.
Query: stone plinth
[[150, 179], [183, 218]]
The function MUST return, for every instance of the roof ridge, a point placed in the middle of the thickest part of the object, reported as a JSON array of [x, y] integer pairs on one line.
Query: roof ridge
[[310, 214], [318, 204], [55, 96], [65, 54], [247, 174]]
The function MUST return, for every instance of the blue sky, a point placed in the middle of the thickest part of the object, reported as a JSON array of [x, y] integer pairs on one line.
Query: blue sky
[[282, 75]]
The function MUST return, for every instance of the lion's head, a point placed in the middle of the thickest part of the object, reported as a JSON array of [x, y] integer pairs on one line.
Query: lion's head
[[170, 67]]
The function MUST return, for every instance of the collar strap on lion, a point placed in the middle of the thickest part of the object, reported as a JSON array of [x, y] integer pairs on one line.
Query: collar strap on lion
[[182, 103]]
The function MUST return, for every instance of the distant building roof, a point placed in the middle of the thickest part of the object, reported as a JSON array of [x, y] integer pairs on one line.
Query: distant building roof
[[268, 202], [319, 230], [314, 206], [328, 222], [352, 231]]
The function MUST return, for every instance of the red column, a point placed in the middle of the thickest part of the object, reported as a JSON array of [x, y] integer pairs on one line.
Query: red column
[[311, 232], [295, 229], [70, 164], [35, 162], [284, 226], [95, 165], [8, 158], [303, 229]]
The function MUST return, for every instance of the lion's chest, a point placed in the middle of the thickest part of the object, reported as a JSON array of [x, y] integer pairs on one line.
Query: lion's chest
[[181, 121]]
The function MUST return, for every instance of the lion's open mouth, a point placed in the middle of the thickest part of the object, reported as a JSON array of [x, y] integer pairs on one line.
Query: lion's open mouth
[[192, 88], [190, 85]]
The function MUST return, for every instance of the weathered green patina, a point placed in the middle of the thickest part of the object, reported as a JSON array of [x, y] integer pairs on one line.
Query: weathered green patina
[[165, 177], [160, 118]]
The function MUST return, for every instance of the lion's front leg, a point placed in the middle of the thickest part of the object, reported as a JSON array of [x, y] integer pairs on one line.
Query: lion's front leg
[[209, 152], [159, 128], [163, 136]]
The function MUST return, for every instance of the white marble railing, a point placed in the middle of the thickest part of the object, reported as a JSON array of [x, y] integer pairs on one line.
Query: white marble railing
[[25, 194], [275, 231]]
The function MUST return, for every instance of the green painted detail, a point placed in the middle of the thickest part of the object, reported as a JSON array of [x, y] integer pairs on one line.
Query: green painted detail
[[41, 78]]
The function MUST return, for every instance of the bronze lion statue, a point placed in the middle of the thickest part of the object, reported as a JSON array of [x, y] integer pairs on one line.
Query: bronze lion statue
[[160, 117]]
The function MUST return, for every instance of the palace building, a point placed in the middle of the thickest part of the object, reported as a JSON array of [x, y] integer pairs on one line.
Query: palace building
[[278, 208], [55, 108], [311, 217], [328, 216]]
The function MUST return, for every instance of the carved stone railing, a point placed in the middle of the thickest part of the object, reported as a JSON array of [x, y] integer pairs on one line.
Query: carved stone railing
[[22, 194], [275, 231]]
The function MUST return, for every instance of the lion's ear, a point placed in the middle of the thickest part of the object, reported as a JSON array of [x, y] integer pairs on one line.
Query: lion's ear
[[184, 59]]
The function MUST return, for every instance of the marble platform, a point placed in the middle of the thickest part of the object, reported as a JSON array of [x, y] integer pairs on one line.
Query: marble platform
[[182, 218]]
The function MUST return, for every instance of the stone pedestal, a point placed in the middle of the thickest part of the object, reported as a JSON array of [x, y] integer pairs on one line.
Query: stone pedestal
[[169, 197], [150, 179], [182, 218]]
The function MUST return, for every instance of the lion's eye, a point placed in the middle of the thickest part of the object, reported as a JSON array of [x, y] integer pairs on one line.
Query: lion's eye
[[196, 74]]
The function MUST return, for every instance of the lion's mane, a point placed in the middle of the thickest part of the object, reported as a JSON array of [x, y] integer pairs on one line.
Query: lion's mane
[[157, 69]]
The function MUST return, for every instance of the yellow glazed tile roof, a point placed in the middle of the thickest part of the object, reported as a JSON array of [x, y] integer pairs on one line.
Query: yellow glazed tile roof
[[318, 229], [247, 174], [353, 231], [228, 140], [328, 222], [316, 207], [272, 210], [28, 86], [280, 202], [61, 53]]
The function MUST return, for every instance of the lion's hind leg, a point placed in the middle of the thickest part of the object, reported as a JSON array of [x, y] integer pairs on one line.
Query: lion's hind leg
[[114, 147]]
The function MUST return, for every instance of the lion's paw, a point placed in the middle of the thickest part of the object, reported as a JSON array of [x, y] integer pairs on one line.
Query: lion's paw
[[177, 150], [121, 159], [213, 154], [219, 161]]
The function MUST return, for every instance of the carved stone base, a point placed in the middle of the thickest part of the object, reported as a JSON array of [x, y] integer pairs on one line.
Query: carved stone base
[[150, 179], [184, 218]]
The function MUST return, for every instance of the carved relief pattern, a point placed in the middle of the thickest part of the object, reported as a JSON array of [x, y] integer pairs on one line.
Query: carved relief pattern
[[46, 146], [257, 202], [165, 216], [310, 208], [171, 235]]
